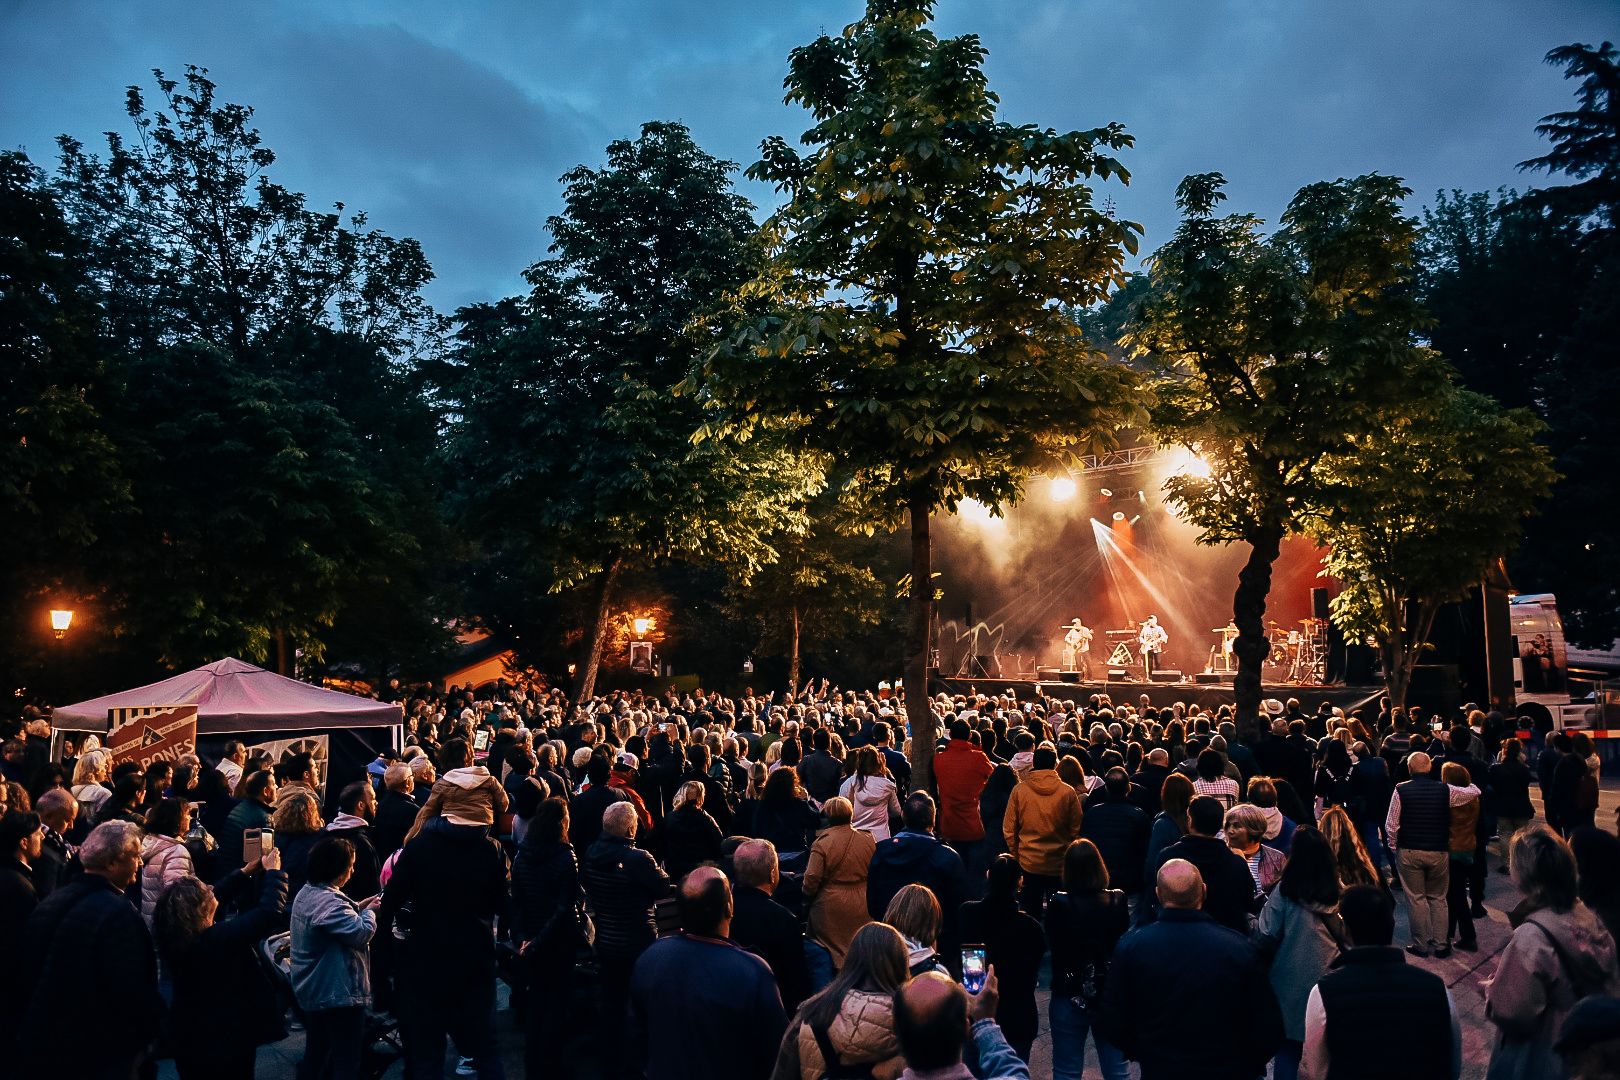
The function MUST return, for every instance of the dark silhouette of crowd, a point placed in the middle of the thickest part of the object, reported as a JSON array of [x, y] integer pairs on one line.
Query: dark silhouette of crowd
[[699, 886]]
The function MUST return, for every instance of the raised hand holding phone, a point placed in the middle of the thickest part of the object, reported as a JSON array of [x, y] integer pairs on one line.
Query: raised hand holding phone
[[272, 859], [982, 1005]]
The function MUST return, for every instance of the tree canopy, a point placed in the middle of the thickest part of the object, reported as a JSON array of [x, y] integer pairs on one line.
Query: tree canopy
[[914, 321], [1275, 353]]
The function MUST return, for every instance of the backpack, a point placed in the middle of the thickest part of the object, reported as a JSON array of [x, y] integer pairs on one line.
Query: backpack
[[832, 1068]]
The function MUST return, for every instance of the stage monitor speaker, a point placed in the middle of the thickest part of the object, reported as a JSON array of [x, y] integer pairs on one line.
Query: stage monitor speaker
[[1208, 677], [1118, 674], [1167, 675], [1319, 604], [1048, 674], [1069, 676]]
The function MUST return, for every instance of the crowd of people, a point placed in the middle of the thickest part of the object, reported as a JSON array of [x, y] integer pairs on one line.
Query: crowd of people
[[694, 885]]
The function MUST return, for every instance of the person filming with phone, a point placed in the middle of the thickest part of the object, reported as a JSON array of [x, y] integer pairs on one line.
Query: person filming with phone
[[935, 1016]]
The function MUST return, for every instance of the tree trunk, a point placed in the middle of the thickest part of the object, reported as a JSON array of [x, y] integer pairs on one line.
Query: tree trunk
[[1408, 651], [1249, 613], [283, 654], [598, 632], [793, 657], [918, 710]]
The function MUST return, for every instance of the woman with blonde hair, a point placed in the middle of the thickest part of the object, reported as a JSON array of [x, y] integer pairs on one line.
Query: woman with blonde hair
[[851, 1020], [297, 824], [916, 913], [872, 793], [835, 879], [1349, 853], [1557, 955], [1465, 807], [90, 775]]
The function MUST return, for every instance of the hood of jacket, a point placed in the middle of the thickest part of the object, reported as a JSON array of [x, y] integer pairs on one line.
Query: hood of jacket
[[1044, 781], [467, 778], [1023, 763], [911, 851], [874, 793], [1274, 821]]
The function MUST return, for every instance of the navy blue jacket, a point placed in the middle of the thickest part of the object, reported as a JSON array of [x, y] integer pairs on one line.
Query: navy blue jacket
[[1189, 997], [908, 857], [710, 1007]]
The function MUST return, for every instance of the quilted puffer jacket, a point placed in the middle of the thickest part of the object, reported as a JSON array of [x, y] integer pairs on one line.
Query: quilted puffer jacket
[[863, 1034], [167, 861]]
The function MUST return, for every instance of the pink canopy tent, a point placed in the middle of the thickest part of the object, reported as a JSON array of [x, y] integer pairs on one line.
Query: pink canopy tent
[[233, 697]]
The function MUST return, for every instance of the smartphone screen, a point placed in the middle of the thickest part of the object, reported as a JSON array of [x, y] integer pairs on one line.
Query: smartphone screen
[[974, 967], [268, 840], [481, 740]]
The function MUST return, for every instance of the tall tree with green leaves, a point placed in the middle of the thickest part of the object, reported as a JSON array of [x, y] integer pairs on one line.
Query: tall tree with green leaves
[[573, 456], [1276, 354], [309, 327], [1426, 507], [914, 324], [820, 589], [1522, 289], [62, 485]]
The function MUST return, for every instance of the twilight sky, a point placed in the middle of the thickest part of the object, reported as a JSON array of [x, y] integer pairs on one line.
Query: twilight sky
[[451, 122]]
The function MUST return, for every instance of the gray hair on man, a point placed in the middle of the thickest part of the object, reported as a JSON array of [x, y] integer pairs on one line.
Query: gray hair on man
[[109, 842], [619, 820], [1419, 763], [755, 864]]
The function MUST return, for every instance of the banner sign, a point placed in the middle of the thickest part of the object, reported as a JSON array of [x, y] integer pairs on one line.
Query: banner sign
[[152, 733], [315, 745]]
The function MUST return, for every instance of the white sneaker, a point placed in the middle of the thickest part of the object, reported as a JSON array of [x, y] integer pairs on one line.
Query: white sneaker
[[465, 1067]]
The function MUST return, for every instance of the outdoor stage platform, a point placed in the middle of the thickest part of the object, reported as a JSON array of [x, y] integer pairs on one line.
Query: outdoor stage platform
[[1209, 696]]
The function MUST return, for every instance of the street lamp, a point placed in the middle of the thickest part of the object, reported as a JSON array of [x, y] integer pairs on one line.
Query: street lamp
[[61, 619], [642, 625]]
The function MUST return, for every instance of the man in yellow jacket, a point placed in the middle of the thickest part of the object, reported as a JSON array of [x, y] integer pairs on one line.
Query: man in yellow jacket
[[1043, 819]]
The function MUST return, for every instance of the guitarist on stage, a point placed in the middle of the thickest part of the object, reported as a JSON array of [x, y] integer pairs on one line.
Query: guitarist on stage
[[1153, 639]]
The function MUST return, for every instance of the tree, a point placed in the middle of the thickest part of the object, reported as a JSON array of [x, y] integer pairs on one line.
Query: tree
[[571, 453], [818, 589], [1522, 290], [1426, 507], [286, 342], [1276, 354], [913, 325], [61, 485]]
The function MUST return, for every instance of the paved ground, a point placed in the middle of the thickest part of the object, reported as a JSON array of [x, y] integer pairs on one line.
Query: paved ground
[[1466, 973]]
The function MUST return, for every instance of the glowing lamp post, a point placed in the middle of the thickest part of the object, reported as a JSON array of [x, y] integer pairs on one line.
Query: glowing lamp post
[[642, 625], [61, 619]]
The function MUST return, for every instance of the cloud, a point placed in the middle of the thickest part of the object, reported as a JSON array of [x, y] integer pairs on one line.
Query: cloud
[[452, 122]]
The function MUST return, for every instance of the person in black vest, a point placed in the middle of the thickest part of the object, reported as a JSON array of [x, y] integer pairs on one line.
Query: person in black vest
[[586, 809], [763, 926], [1419, 830], [396, 809], [1372, 992]]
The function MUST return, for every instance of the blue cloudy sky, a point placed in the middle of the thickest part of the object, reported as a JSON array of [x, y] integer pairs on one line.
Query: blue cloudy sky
[[451, 122]]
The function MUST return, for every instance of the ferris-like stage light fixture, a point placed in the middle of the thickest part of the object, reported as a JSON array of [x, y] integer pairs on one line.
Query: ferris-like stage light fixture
[[1106, 493], [1119, 515], [1062, 488], [61, 619]]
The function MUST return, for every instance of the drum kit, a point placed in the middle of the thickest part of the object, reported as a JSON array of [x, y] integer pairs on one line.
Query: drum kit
[[1297, 656]]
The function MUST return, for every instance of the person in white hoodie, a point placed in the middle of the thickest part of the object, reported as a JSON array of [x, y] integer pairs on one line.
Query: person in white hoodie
[[873, 794]]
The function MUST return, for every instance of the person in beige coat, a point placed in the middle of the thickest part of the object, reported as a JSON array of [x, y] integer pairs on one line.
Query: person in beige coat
[[835, 880], [853, 1018]]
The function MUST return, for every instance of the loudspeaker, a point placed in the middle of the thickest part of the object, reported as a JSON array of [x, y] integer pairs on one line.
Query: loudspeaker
[[1048, 674], [1118, 674], [1208, 677], [1319, 604], [1167, 675]]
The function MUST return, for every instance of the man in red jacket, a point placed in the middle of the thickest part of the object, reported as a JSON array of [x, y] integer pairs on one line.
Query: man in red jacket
[[960, 771]]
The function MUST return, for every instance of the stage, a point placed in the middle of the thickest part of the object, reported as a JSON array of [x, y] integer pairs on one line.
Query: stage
[[1208, 695]]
